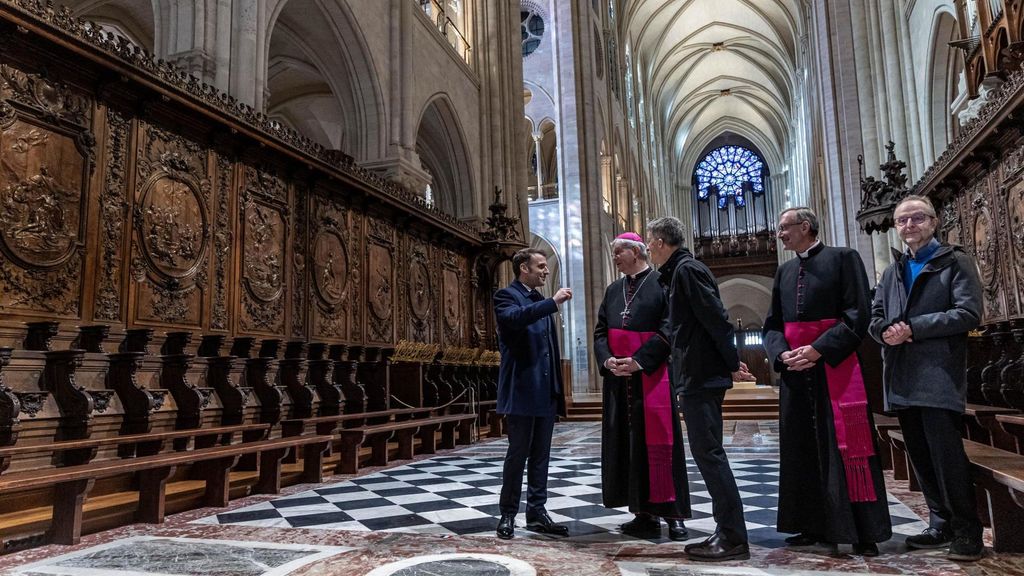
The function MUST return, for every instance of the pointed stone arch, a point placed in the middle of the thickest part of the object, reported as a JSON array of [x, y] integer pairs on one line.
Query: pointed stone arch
[[441, 146], [320, 77]]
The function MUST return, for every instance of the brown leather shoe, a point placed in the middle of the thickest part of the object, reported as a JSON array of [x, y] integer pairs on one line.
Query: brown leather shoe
[[718, 549]]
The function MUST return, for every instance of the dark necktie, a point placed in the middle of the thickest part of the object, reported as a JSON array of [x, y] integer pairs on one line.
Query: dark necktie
[[535, 296]]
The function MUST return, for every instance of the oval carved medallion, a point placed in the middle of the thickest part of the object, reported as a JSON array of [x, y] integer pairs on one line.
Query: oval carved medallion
[[330, 267], [420, 292], [172, 226], [40, 195]]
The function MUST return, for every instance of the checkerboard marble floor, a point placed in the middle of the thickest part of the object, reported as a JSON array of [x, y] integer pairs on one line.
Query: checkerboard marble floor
[[458, 495]]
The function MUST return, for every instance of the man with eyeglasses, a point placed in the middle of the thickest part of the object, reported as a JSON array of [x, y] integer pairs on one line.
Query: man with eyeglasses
[[831, 488], [926, 303]]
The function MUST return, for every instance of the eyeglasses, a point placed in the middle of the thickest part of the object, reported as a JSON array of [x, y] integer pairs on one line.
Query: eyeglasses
[[918, 219], [784, 227]]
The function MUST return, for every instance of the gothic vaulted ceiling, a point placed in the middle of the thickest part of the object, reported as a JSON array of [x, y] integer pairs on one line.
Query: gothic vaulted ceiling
[[718, 65]]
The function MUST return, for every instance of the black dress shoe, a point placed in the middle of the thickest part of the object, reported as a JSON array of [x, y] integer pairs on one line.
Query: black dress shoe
[[869, 549], [801, 540], [642, 526], [929, 539], [506, 526], [545, 525], [718, 549], [703, 542], [677, 531]]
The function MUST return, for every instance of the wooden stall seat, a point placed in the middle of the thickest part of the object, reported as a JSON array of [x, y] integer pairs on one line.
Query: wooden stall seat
[[901, 460], [1001, 474], [883, 424], [72, 483], [982, 426], [1013, 425]]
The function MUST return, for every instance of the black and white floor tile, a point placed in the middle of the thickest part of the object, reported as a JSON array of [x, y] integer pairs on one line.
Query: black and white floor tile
[[458, 495]]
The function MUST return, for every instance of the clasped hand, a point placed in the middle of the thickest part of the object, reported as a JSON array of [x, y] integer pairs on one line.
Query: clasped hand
[[800, 359], [622, 367], [898, 333]]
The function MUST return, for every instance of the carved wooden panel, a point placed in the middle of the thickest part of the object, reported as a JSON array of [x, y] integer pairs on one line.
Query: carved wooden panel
[[170, 249], [331, 271], [380, 281], [356, 224], [1015, 201], [223, 245], [300, 260], [420, 289], [46, 156], [263, 208], [452, 291], [109, 303]]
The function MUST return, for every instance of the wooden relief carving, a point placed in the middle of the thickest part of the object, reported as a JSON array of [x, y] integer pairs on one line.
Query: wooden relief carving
[[330, 269], [1016, 200], [951, 229], [421, 292], [46, 154], [223, 240], [172, 229], [356, 281], [1006, 249], [300, 292], [985, 252], [380, 280], [451, 298], [264, 238], [113, 210]]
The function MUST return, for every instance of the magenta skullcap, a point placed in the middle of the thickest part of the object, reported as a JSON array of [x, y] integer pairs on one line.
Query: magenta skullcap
[[631, 236]]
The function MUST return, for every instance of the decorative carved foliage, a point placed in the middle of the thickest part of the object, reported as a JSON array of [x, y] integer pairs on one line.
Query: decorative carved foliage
[[113, 209], [170, 252], [45, 157], [331, 272], [223, 240], [380, 280], [1015, 200], [263, 210], [300, 292], [356, 282]]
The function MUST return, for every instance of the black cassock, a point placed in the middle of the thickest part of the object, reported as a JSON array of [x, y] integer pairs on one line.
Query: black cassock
[[829, 283], [624, 465]]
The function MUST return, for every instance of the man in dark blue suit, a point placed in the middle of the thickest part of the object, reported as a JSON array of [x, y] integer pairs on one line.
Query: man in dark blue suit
[[529, 390]]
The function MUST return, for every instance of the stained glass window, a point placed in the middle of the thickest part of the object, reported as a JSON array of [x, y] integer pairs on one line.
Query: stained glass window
[[731, 171]]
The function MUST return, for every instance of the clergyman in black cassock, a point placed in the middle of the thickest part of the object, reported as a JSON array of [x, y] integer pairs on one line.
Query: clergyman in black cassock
[[643, 461], [831, 487]]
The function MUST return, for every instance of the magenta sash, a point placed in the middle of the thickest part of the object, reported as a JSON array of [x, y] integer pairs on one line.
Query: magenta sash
[[659, 417], [849, 410]]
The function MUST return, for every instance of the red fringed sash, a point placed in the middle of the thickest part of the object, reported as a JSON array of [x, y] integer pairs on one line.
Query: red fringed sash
[[658, 415], [849, 410]]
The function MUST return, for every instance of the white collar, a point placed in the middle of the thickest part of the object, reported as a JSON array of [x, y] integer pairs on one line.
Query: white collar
[[807, 252]]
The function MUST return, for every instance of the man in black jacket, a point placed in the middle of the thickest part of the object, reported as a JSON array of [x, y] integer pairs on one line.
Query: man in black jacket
[[704, 365], [926, 303]]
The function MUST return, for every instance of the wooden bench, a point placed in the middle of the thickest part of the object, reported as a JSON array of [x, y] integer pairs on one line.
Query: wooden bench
[[328, 424], [72, 483], [1013, 424], [884, 424], [378, 435], [982, 426], [145, 444], [901, 460], [1000, 473]]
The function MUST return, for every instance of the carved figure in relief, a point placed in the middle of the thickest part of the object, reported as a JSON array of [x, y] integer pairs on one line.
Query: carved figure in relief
[[333, 285], [263, 259], [171, 237]]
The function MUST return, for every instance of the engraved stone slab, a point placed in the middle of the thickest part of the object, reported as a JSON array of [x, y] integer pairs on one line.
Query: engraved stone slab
[[470, 564], [155, 556]]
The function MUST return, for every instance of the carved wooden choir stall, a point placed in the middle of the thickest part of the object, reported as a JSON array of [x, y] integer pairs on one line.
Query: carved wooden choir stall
[[197, 303]]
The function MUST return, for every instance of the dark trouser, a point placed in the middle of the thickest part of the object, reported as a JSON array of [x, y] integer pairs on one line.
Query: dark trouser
[[702, 412], [934, 440], [529, 438]]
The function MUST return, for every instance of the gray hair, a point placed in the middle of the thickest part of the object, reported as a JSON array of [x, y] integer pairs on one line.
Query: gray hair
[[627, 243], [669, 229], [804, 214], [915, 198]]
